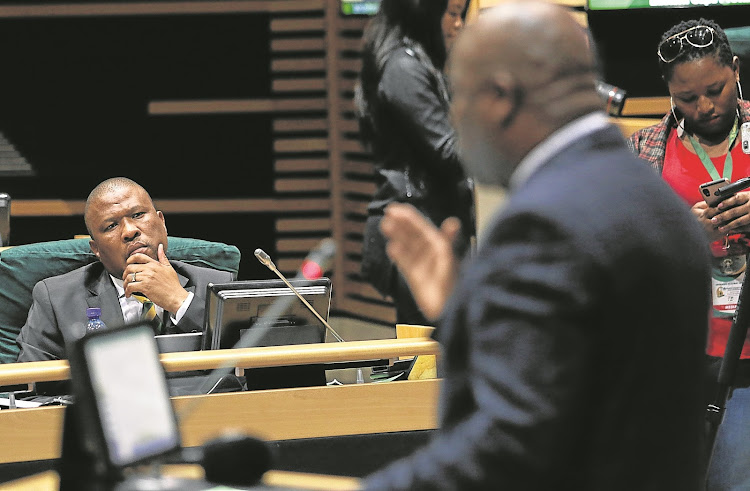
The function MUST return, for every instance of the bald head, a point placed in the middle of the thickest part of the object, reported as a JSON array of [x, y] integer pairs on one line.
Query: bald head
[[527, 67], [107, 187], [536, 41]]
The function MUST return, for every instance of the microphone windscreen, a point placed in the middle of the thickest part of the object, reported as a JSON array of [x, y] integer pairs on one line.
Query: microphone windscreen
[[236, 460], [318, 260], [311, 270]]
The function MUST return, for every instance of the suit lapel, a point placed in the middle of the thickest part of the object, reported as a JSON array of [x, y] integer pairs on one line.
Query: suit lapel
[[102, 294]]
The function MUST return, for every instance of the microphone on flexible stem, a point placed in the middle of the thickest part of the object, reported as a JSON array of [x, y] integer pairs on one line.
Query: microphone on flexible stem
[[250, 337], [311, 269]]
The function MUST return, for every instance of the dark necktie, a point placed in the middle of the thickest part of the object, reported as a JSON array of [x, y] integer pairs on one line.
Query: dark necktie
[[149, 314]]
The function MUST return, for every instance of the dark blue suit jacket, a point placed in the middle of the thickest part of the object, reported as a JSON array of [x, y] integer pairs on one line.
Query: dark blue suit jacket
[[573, 344]]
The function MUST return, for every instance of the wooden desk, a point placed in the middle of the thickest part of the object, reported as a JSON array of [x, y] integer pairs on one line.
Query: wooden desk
[[50, 481], [281, 414], [271, 356]]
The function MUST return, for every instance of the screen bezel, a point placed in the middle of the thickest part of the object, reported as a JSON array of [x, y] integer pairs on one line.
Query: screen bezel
[[372, 5], [96, 436], [215, 323]]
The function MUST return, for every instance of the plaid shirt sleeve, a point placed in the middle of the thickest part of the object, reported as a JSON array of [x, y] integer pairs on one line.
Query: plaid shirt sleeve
[[650, 143]]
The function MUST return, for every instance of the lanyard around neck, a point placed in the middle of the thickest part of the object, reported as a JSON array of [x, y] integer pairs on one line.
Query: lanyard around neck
[[706, 160]]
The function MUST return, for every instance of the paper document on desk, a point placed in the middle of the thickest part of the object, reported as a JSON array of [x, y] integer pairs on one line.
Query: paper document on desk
[[5, 402]]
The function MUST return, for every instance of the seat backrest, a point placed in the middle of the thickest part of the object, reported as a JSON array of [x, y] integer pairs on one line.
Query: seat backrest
[[21, 267]]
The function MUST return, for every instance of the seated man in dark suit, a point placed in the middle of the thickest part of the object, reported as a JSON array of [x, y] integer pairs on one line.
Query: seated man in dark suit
[[129, 237], [573, 340]]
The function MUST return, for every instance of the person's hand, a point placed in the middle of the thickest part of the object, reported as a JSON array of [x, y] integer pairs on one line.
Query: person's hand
[[704, 213], [733, 214], [155, 279], [423, 253]]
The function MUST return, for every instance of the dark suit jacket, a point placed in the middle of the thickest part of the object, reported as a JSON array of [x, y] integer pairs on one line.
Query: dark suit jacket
[[58, 311], [573, 343]]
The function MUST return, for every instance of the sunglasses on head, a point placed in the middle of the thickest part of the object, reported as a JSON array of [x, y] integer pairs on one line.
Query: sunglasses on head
[[697, 36]]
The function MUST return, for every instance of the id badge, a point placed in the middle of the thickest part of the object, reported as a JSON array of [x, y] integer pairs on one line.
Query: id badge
[[727, 276]]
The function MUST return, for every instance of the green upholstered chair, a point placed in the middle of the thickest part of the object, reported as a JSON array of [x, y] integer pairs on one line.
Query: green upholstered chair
[[22, 266], [739, 40]]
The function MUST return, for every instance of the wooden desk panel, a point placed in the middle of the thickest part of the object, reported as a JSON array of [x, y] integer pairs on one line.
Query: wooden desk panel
[[281, 414], [270, 356], [297, 480]]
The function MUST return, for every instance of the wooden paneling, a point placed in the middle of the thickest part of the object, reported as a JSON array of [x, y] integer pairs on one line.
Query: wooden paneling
[[297, 44], [301, 144], [73, 9], [281, 125], [628, 126], [302, 224], [300, 165], [234, 106], [294, 25], [302, 185], [299, 85], [40, 208], [269, 414], [646, 106], [292, 65]]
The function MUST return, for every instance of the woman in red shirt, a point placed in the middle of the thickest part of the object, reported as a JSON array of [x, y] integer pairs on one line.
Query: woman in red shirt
[[696, 142]]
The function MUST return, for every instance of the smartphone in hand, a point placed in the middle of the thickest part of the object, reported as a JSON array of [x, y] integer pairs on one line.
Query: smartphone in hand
[[715, 192], [709, 191]]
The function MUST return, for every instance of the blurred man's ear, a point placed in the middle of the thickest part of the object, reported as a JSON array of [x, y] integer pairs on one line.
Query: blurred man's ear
[[509, 98]]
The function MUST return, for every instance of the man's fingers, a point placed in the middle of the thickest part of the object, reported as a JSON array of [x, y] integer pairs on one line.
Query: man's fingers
[[450, 227], [162, 255]]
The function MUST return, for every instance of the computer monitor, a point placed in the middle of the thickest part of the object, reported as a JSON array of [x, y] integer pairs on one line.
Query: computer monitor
[[268, 313], [267, 308]]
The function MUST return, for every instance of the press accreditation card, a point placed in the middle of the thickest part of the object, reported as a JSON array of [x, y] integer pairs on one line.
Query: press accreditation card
[[726, 293]]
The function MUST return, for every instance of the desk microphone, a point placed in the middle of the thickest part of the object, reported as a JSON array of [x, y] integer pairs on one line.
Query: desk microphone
[[311, 269], [320, 256], [232, 460]]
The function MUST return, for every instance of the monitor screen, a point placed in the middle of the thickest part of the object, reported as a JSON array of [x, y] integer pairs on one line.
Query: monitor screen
[[650, 4], [359, 7], [265, 313], [128, 411]]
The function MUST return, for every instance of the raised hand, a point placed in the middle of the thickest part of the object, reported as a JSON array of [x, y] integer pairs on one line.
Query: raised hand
[[155, 279], [423, 253]]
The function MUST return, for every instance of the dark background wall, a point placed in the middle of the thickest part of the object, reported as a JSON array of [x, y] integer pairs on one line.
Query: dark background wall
[[627, 41], [74, 99]]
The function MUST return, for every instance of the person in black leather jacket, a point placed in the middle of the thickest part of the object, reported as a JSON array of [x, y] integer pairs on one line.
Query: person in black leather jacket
[[403, 101]]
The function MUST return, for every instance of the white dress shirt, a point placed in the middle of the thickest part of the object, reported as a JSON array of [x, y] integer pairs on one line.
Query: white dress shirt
[[132, 308]]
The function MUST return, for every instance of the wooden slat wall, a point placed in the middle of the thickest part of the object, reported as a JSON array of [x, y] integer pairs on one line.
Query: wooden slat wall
[[356, 183], [302, 164]]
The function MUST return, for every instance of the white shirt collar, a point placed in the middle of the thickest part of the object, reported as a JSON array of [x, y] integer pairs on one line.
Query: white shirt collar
[[556, 142], [119, 285]]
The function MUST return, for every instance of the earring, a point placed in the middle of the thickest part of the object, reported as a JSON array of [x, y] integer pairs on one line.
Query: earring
[[739, 89], [680, 123], [671, 104]]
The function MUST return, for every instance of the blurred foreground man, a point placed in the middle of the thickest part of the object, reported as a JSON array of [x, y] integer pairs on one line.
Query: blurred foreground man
[[573, 342]]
